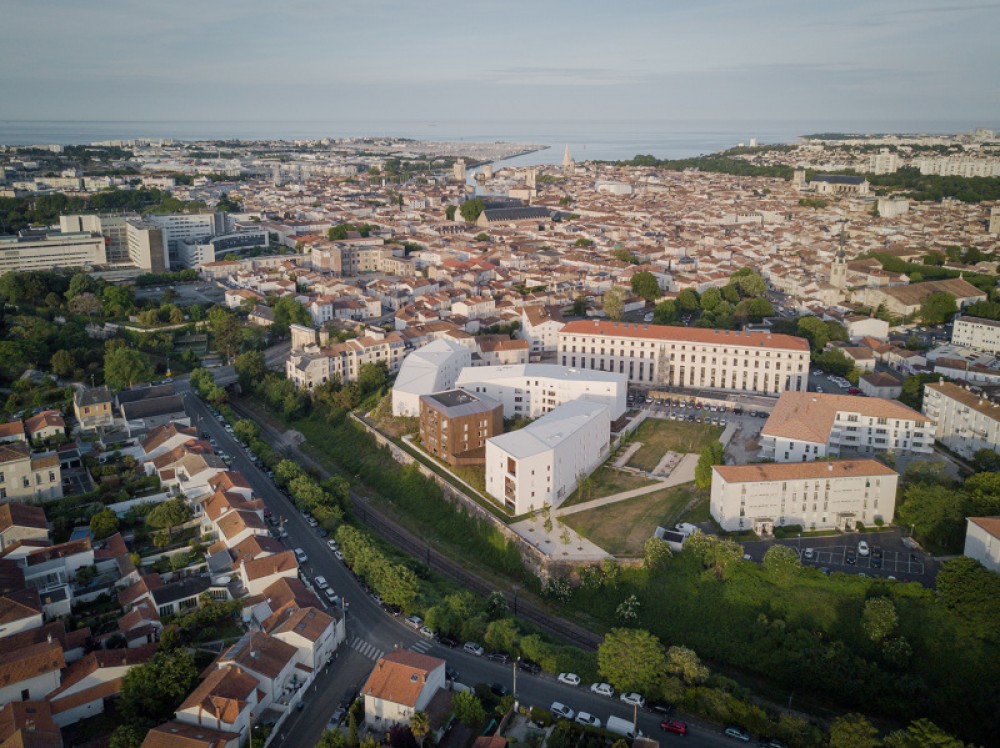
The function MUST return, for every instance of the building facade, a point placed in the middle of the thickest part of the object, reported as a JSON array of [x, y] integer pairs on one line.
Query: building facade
[[657, 355], [48, 250], [982, 541], [432, 368], [454, 425], [542, 463], [976, 333], [964, 421], [28, 477], [808, 426], [532, 390], [812, 495]]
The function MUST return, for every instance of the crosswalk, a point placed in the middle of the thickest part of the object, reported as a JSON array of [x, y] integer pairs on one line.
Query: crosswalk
[[366, 649], [369, 650]]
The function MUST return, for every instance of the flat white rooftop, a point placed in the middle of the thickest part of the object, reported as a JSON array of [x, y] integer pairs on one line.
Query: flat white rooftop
[[550, 430]]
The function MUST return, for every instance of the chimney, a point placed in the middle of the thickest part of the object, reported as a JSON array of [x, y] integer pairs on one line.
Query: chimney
[[829, 466]]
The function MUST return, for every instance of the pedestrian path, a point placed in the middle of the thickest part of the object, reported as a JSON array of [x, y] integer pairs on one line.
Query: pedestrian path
[[368, 650], [421, 646]]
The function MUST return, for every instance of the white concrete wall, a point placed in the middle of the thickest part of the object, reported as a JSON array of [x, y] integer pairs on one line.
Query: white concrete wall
[[982, 546]]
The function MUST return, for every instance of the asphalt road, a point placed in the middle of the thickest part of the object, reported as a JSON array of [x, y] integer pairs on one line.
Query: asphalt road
[[371, 631]]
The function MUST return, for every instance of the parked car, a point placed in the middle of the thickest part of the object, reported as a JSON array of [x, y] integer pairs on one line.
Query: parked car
[[772, 743], [339, 555], [331, 544], [570, 679], [300, 556], [561, 710], [529, 666], [450, 673], [336, 718], [660, 707], [332, 596], [414, 621], [675, 726], [633, 699], [863, 549], [602, 689], [499, 689], [584, 718], [737, 733], [321, 583], [808, 554], [447, 641], [501, 657], [426, 631], [473, 649]]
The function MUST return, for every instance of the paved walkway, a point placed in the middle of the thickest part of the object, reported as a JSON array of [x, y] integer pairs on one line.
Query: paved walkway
[[622, 460], [683, 473]]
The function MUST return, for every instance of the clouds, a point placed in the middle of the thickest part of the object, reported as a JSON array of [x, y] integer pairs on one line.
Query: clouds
[[131, 59]]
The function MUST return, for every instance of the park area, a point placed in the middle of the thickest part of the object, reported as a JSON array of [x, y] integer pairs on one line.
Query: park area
[[623, 528], [658, 437]]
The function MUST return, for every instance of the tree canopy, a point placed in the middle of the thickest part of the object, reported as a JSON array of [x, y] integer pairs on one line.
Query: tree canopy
[[645, 286], [125, 367], [631, 659], [938, 308], [614, 303]]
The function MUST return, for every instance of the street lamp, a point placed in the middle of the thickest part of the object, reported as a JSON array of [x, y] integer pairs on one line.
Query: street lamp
[[517, 588]]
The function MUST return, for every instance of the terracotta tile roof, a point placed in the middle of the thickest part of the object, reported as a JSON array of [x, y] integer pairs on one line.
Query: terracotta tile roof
[[224, 694], [162, 434], [30, 662], [62, 550], [685, 335], [20, 604], [28, 724], [56, 629], [267, 566], [809, 416], [260, 653], [990, 524], [309, 623], [133, 592], [12, 428], [61, 699], [228, 480], [142, 613], [255, 546], [176, 734], [47, 460], [287, 591], [969, 399], [400, 677], [801, 470], [44, 420], [13, 451], [22, 515]]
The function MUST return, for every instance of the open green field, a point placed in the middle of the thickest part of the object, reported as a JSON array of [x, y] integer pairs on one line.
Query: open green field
[[659, 437], [606, 481], [623, 528]]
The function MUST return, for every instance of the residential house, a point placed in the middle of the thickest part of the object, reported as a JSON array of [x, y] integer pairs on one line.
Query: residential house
[[883, 384], [87, 683], [20, 610], [30, 673], [27, 476], [314, 633], [226, 700], [176, 734], [540, 327], [92, 408], [12, 431], [403, 682], [45, 425], [22, 522], [982, 541], [28, 724], [273, 663], [258, 573]]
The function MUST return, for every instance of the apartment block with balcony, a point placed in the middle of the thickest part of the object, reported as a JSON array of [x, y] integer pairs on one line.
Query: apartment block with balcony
[[664, 356], [808, 426], [812, 495], [965, 421], [977, 333], [455, 424]]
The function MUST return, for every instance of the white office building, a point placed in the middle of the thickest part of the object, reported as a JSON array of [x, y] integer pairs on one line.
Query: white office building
[[433, 368], [964, 421], [659, 355], [976, 333], [532, 390], [812, 495], [41, 250], [543, 462], [809, 426]]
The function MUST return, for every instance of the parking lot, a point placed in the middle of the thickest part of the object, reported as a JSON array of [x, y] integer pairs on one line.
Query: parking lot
[[888, 556]]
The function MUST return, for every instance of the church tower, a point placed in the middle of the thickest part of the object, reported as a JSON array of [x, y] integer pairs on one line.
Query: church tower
[[838, 270], [568, 163]]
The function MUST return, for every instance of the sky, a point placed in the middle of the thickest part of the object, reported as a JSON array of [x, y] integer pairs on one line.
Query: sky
[[506, 60]]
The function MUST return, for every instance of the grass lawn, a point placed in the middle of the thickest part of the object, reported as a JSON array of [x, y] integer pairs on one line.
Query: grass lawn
[[700, 512], [623, 528], [606, 481], [659, 437]]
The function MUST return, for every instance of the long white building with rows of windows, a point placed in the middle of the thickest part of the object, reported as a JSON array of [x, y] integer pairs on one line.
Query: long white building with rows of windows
[[977, 333], [964, 421], [812, 495], [664, 356]]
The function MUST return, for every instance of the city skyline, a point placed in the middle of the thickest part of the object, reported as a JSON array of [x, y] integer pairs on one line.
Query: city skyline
[[444, 60]]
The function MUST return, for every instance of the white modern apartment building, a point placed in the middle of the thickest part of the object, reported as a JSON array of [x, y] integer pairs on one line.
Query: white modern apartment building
[[964, 421], [808, 426], [432, 368], [38, 250], [982, 541], [813, 495], [542, 463], [659, 355], [977, 333], [532, 390]]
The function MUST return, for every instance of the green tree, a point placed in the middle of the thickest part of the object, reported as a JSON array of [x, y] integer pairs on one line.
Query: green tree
[[853, 731], [921, 733], [644, 285], [81, 283], [503, 635], [468, 709], [288, 311], [936, 517], [879, 619], [246, 430], [226, 332], [631, 659], [449, 212], [687, 301], [913, 389], [614, 303], [749, 283], [125, 367], [986, 460], [471, 209], [972, 593], [372, 377], [713, 454], [128, 736], [781, 563], [684, 664], [715, 553], [580, 306], [250, 368], [814, 329], [938, 308], [420, 723], [117, 301], [104, 523], [656, 553], [665, 313], [168, 514], [63, 364], [153, 690]]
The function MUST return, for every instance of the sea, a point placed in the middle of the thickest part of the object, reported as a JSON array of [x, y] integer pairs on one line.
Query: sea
[[608, 140]]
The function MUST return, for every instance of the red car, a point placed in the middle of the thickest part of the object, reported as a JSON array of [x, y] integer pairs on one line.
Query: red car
[[674, 725], [853, 391]]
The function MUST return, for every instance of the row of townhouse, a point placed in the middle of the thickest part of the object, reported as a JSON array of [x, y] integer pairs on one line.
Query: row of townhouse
[[313, 366]]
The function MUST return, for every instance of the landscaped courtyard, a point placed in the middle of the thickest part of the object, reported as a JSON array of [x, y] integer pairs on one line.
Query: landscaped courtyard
[[622, 528], [606, 481], [659, 437]]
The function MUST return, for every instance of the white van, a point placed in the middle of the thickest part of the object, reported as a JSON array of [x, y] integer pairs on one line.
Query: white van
[[622, 727]]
